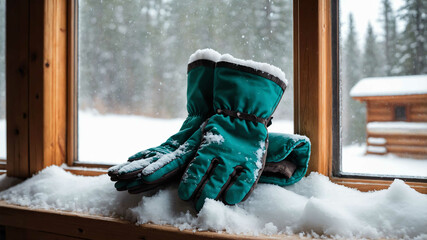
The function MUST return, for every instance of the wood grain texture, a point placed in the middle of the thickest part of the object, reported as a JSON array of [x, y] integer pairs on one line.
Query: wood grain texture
[[17, 84], [13, 233], [312, 77], [382, 109], [366, 185], [55, 82], [47, 84], [72, 110], [36, 93], [95, 227]]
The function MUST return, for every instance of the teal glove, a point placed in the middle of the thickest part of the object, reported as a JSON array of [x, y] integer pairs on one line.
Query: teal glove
[[232, 153], [199, 107], [287, 159]]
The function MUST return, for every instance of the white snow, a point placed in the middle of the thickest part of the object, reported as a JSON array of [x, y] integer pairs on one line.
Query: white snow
[[259, 154], [165, 159], [397, 127], [377, 140], [111, 139], [135, 165], [264, 67], [377, 149], [314, 206], [211, 137], [355, 160], [207, 53], [390, 86]]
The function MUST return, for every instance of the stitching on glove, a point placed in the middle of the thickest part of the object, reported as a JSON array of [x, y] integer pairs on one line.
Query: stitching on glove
[[245, 116], [197, 192], [231, 179], [200, 62]]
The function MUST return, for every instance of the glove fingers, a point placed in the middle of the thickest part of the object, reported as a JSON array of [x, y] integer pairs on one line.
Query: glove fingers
[[121, 185], [113, 171], [138, 186], [216, 181], [195, 176], [132, 169], [171, 164], [240, 187]]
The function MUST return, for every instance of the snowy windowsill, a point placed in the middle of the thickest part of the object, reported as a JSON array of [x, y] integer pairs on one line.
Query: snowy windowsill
[[312, 207]]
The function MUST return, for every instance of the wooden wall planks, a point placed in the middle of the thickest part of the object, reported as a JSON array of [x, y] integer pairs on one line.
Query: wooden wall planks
[[17, 77], [36, 52]]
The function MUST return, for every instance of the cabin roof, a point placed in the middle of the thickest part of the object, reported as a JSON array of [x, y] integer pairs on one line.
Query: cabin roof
[[390, 86]]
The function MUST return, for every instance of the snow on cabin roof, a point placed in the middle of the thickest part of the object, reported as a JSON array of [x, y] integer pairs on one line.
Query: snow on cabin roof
[[390, 86]]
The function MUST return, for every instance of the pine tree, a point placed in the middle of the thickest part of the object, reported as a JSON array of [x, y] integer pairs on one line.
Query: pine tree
[[414, 58], [372, 66], [353, 111], [388, 20]]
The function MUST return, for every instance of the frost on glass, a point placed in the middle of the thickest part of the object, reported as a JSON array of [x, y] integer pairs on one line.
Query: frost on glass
[[2, 79], [132, 63], [383, 73]]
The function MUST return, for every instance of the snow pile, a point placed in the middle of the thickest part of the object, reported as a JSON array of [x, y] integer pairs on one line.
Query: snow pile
[[397, 127], [390, 86], [312, 206], [54, 188]]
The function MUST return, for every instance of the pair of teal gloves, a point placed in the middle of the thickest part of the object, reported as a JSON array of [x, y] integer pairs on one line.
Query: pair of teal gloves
[[223, 148]]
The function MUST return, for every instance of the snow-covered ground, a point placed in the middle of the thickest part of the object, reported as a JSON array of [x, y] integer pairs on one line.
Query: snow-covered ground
[[312, 207], [112, 139], [355, 160]]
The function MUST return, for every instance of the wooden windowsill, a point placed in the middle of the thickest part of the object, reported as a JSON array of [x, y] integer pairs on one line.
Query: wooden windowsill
[[78, 225]]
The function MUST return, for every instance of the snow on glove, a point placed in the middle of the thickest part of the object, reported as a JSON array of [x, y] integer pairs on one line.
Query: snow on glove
[[287, 159], [232, 153], [199, 106]]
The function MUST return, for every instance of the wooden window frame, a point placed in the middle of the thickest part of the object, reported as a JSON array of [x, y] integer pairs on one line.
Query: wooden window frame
[[40, 82], [41, 124]]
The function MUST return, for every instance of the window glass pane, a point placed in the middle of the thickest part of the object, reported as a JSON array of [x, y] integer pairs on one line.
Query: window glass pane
[[132, 63], [2, 79], [383, 73]]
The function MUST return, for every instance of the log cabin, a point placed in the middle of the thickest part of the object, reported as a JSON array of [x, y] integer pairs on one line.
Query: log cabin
[[396, 114]]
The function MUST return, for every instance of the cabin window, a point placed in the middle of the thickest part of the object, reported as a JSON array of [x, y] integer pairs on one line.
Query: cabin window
[[132, 63], [400, 113], [380, 67], [2, 82]]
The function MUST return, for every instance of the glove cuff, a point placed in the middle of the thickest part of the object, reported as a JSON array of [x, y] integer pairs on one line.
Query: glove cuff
[[264, 70]]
